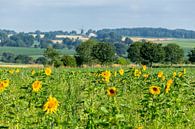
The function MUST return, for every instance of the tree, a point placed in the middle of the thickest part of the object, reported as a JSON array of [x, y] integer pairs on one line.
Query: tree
[[53, 56], [191, 55], [152, 53], [121, 49], [173, 53], [104, 52], [8, 57], [134, 52], [128, 41], [69, 61], [84, 51], [41, 60], [24, 59]]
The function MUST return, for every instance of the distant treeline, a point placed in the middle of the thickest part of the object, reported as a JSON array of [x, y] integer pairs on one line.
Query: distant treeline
[[150, 32]]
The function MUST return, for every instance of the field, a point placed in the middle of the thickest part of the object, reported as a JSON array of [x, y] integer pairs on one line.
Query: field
[[186, 44], [97, 98], [33, 52]]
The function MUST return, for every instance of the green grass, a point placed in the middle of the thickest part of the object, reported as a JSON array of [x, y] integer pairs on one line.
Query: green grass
[[85, 104], [186, 44], [33, 52]]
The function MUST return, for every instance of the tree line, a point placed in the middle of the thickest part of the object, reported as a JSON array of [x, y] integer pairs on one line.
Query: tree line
[[95, 52]]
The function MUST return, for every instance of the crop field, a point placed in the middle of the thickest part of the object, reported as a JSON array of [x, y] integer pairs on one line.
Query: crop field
[[33, 52], [185, 44], [99, 98]]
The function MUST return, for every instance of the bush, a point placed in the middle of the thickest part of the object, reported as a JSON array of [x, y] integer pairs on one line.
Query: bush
[[69, 61], [122, 61], [41, 60]]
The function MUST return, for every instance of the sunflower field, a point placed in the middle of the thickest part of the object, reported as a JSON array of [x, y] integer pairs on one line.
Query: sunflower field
[[98, 98]]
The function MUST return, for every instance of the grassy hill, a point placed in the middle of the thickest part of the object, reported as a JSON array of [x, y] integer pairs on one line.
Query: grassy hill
[[33, 52]]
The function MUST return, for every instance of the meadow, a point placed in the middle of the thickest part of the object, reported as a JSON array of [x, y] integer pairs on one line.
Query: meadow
[[97, 98], [32, 52]]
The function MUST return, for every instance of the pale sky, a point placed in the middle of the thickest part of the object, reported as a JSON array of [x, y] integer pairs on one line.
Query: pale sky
[[51, 15]]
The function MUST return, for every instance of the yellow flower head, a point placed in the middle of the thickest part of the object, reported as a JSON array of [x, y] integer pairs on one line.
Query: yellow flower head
[[106, 74], [36, 86], [140, 127], [121, 71], [33, 72], [155, 90], [184, 71], [51, 105], [17, 71], [111, 91], [169, 82], [168, 85], [146, 75], [174, 74], [11, 71], [160, 74], [48, 71], [180, 74], [137, 73], [2, 86], [106, 80], [144, 67], [5, 82]]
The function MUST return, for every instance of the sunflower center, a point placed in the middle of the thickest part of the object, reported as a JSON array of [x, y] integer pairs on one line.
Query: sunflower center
[[112, 91], [1, 85], [155, 89]]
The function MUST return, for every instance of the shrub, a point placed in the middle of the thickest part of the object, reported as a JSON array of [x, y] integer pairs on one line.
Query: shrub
[[122, 61], [69, 61]]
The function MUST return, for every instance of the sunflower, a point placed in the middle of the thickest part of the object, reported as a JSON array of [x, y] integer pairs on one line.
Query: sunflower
[[33, 72], [155, 90], [48, 71], [160, 74], [174, 74], [106, 80], [121, 71], [17, 71], [11, 71], [144, 67], [180, 74], [106, 74], [5, 82], [111, 91], [2, 87], [168, 85], [36, 86], [51, 105], [146, 75], [137, 73]]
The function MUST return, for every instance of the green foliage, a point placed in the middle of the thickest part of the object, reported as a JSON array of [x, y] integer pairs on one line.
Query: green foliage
[[122, 61], [173, 53], [84, 51], [134, 52], [69, 61], [121, 49], [191, 55], [148, 32], [104, 52], [53, 57], [84, 101], [24, 59], [41, 60], [152, 53]]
